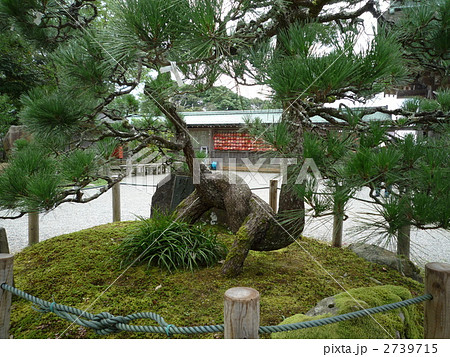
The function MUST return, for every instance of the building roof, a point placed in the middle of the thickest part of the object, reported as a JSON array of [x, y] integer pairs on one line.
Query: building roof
[[268, 116], [230, 117], [233, 118]]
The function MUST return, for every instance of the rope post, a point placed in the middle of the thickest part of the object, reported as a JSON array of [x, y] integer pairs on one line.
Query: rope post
[[273, 195], [241, 313], [4, 247], [33, 228], [437, 310], [116, 202], [6, 276]]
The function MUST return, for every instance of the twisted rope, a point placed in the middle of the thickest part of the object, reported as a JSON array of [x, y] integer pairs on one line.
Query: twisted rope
[[105, 323], [343, 317]]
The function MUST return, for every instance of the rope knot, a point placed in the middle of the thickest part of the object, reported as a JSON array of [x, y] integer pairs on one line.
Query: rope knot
[[107, 323]]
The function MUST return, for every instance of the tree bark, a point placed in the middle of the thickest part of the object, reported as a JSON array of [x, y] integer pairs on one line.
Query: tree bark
[[404, 240], [338, 220], [250, 217]]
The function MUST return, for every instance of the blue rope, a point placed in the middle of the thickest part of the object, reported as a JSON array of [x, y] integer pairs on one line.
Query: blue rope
[[105, 323], [168, 330]]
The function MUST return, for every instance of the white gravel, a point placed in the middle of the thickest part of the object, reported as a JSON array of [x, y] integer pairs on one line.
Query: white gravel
[[433, 245]]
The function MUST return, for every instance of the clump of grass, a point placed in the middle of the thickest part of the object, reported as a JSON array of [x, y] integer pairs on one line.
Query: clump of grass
[[170, 244]]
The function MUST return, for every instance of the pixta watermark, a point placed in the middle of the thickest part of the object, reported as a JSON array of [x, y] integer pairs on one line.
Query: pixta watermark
[[308, 167]]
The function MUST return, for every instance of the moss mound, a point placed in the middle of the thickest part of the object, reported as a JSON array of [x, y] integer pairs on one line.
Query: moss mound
[[84, 270], [405, 322]]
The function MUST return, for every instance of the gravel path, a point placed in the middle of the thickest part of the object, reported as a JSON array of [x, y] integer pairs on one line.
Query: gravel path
[[426, 246]]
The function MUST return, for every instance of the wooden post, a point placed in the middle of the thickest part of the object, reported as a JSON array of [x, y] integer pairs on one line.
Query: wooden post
[[241, 313], [4, 247], [437, 311], [116, 202], [6, 276], [273, 194], [33, 228]]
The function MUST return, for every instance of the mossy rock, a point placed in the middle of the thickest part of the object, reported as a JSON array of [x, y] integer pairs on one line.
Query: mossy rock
[[405, 322]]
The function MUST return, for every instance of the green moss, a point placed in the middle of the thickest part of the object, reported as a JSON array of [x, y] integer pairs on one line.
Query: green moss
[[238, 252], [404, 323], [76, 269]]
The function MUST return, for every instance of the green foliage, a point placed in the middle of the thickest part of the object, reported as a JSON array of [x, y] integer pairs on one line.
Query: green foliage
[[218, 98], [443, 98], [416, 174], [53, 113], [442, 102], [383, 325], [125, 105], [83, 65], [374, 136], [29, 182], [105, 147], [79, 166], [302, 66], [425, 31], [201, 154], [428, 105], [411, 104], [170, 244], [277, 135]]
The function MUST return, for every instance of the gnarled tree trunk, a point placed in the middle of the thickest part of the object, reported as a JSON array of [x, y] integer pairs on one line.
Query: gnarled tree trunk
[[252, 219]]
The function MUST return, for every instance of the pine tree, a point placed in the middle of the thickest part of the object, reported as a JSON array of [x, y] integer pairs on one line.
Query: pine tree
[[306, 51]]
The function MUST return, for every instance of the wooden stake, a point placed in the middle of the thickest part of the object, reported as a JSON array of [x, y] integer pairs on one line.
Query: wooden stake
[[116, 202], [33, 228], [273, 194], [241, 313], [437, 311], [6, 276], [4, 247]]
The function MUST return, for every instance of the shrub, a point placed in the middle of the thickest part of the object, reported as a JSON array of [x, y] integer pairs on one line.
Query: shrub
[[170, 244]]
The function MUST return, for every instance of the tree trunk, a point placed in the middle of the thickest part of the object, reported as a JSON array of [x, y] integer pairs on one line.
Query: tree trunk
[[289, 199], [404, 240], [338, 221], [251, 218]]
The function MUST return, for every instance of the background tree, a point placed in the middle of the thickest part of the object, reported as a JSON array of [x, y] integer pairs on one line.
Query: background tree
[[21, 68]]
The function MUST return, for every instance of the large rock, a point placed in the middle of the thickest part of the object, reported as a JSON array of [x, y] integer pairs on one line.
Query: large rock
[[399, 323], [378, 255], [170, 192], [14, 133]]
